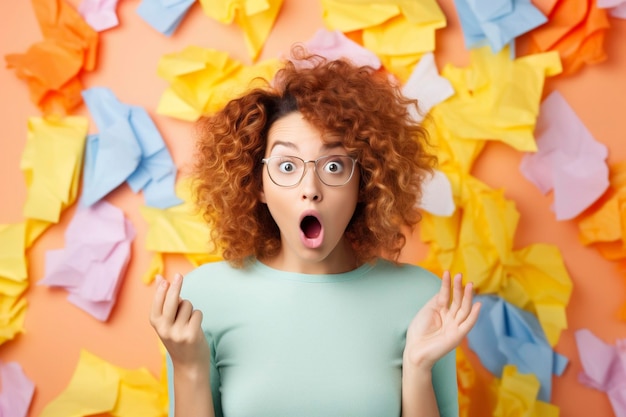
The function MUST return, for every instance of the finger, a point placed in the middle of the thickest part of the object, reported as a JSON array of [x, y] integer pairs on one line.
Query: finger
[[159, 297], [195, 321], [457, 293], [183, 312], [170, 305], [471, 319], [466, 304], [443, 297]]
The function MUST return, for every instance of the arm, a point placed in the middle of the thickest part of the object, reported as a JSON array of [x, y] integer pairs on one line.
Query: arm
[[179, 328], [436, 330]]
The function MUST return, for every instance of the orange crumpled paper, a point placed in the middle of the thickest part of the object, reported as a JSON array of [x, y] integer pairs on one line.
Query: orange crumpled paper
[[575, 29], [52, 67]]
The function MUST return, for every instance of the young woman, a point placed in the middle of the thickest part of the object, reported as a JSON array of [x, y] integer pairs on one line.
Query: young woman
[[309, 185]]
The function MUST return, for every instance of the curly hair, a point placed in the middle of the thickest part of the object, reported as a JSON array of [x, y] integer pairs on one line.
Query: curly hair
[[358, 104]]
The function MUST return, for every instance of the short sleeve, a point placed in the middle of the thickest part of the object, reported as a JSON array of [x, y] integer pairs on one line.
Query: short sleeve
[[445, 385], [170, 384], [215, 383]]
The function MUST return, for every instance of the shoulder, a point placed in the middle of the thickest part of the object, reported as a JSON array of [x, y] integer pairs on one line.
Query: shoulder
[[405, 271], [403, 288], [209, 277], [407, 275], [209, 269]]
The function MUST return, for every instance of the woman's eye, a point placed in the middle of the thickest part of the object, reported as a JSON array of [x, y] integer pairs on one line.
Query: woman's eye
[[287, 167], [334, 167]]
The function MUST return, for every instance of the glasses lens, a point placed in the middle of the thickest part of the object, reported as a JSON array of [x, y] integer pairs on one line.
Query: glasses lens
[[335, 170], [332, 170], [285, 171]]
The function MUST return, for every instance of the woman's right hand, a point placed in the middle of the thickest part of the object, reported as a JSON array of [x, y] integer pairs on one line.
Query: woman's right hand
[[179, 327]]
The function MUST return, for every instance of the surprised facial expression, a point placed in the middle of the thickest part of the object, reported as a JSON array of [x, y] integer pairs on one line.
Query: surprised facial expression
[[312, 216]]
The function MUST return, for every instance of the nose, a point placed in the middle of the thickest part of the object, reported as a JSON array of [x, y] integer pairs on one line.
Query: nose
[[311, 185]]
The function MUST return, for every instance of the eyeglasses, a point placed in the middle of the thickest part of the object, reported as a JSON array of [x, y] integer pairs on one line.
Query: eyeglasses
[[288, 171]]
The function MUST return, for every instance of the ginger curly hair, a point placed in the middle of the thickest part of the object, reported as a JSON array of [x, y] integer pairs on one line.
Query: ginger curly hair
[[361, 106]]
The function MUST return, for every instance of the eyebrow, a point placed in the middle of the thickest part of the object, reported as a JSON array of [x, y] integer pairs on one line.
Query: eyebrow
[[291, 145], [283, 143]]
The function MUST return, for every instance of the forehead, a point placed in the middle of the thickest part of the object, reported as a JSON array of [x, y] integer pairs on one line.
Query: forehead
[[293, 131]]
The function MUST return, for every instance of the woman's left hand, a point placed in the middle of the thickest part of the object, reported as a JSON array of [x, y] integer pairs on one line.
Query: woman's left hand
[[440, 325]]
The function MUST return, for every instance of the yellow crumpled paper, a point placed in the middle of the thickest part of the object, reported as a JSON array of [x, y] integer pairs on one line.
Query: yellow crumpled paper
[[178, 229], [399, 32], [13, 280], [52, 163], [478, 239], [97, 387], [255, 17], [517, 396], [203, 80], [455, 153], [497, 98]]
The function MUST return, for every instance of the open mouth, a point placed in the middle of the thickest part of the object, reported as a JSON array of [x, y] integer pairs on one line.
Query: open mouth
[[311, 227]]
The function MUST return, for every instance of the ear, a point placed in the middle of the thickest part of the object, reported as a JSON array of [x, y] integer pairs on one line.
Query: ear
[[262, 198]]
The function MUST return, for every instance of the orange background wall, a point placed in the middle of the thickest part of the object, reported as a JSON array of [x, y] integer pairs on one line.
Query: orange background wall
[[56, 331]]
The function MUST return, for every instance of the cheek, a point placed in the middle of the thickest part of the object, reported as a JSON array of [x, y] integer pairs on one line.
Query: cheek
[[355, 190], [276, 198], [345, 202]]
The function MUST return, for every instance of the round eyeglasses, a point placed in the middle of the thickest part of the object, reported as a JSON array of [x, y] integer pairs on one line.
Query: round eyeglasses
[[288, 171]]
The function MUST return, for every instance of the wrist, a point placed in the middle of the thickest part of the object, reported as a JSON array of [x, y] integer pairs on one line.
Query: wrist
[[192, 372], [416, 374], [414, 361]]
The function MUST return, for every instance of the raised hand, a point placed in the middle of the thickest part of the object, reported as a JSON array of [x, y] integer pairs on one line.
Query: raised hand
[[179, 327], [440, 325]]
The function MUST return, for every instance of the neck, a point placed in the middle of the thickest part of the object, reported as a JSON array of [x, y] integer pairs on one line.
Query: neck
[[341, 260]]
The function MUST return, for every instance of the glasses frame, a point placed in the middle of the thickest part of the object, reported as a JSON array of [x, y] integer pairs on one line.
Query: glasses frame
[[266, 161]]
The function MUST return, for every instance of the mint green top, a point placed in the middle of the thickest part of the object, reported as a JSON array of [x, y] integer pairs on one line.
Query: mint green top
[[299, 345]]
